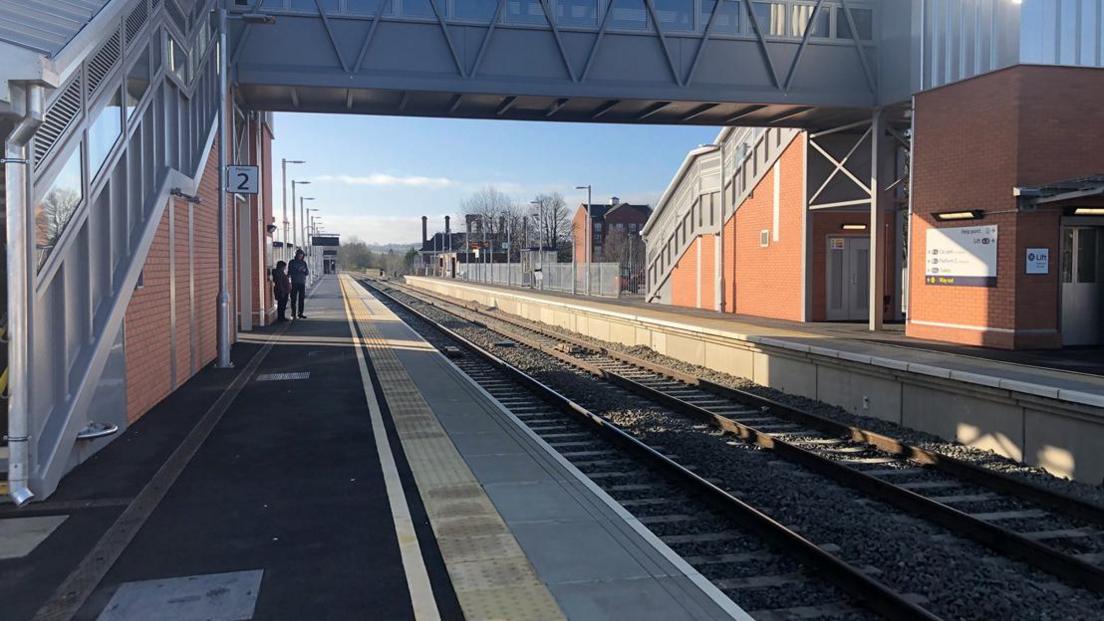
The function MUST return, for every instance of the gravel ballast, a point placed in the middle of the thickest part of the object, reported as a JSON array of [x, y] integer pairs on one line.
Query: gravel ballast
[[958, 578]]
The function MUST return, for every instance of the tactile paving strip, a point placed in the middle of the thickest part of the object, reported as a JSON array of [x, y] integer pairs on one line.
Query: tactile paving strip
[[490, 573]]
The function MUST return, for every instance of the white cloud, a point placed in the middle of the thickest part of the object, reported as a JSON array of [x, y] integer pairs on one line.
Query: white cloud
[[382, 179]]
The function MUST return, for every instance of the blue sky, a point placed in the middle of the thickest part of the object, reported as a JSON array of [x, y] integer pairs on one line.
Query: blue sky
[[374, 177]]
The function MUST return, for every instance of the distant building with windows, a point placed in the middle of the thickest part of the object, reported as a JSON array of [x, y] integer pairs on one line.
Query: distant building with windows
[[606, 220]]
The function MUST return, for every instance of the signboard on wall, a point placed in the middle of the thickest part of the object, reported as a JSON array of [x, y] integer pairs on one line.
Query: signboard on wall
[[963, 256], [1037, 261]]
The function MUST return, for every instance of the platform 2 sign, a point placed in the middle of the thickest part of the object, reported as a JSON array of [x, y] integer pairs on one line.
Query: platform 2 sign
[[243, 179], [963, 256]]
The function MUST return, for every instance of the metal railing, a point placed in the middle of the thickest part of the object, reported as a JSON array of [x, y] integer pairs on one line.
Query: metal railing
[[606, 279]]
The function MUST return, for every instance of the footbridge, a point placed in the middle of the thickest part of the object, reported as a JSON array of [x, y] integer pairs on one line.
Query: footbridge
[[110, 116]]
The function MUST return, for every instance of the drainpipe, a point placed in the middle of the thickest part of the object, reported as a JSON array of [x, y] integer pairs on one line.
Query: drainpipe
[[19, 195]]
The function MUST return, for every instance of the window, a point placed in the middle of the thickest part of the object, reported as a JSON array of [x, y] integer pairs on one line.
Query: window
[[137, 82], [632, 227], [525, 12], [328, 6], [58, 205], [479, 10], [801, 18], [771, 17], [597, 227], [178, 60], [727, 20], [103, 133], [417, 8], [675, 15], [577, 13], [864, 24], [1086, 255], [363, 7], [628, 15]]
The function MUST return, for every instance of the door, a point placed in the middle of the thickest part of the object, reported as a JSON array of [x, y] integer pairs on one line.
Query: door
[[1082, 284], [848, 269]]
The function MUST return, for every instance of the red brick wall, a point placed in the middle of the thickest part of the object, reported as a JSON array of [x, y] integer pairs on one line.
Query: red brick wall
[[767, 280], [684, 278], [976, 140], [148, 342], [148, 323], [578, 233]]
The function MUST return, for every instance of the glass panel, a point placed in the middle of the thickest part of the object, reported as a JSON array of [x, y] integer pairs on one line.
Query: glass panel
[[525, 12], [480, 10], [137, 83], [417, 8], [864, 24], [1067, 254], [104, 133], [362, 7], [835, 293], [675, 15], [178, 60], [628, 15], [577, 12], [801, 17], [329, 6], [771, 17], [727, 20], [57, 206], [1086, 255]]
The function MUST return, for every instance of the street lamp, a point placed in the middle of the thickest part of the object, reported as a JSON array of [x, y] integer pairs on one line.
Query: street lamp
[[540, 237], [283, 183], [295, 225], [587, 234]]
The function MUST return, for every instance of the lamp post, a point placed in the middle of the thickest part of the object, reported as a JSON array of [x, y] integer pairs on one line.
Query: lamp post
[[283, 183], [307, 247], [540, 237], [295, 222]]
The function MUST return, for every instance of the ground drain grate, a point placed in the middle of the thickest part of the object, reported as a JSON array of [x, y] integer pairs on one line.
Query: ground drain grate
[[277, 377]]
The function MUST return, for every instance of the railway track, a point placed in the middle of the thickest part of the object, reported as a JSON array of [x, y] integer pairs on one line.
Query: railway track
[[1052, 531], [765, 567]]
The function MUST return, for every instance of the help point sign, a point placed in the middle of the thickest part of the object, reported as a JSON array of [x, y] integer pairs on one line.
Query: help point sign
[[963, 256]]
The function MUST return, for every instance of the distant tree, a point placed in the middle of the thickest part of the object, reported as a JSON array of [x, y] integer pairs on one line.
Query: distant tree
[[623, 248], [557, 218]]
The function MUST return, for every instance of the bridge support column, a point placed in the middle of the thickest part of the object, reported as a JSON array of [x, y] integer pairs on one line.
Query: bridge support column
[[877, 239]]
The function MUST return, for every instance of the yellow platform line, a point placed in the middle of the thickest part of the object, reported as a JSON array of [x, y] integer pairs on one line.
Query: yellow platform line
[[490, 573]]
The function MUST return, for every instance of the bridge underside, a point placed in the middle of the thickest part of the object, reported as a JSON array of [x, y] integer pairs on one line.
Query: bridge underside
[[318, 59], [467, 105]]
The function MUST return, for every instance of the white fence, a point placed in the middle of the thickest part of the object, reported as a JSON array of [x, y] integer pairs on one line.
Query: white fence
[[605, 278]]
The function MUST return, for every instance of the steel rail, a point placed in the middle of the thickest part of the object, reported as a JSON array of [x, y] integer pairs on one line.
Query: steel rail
[[998, 538], [873, 593]]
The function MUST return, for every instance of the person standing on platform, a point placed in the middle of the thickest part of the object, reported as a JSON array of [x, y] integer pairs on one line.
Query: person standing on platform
[[281, 289], [298, 272]]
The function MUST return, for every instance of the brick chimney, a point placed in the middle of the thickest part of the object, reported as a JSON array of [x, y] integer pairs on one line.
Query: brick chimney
[[425, 233]]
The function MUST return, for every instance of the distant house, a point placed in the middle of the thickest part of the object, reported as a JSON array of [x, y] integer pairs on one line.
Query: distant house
[[605, 220]]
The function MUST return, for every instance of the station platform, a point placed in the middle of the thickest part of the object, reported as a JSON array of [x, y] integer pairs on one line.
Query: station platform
[[1031, 407], [343, 469]]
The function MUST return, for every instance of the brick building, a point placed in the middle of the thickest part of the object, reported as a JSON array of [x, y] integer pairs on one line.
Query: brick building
[[1000, 244], [605, 220]]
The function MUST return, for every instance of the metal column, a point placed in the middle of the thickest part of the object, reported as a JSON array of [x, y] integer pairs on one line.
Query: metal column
[[223, 152], [876, 274]]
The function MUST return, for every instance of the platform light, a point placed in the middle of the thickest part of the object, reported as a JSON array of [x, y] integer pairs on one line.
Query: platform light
[[973, 214], [853, 227], [1089, 211]]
